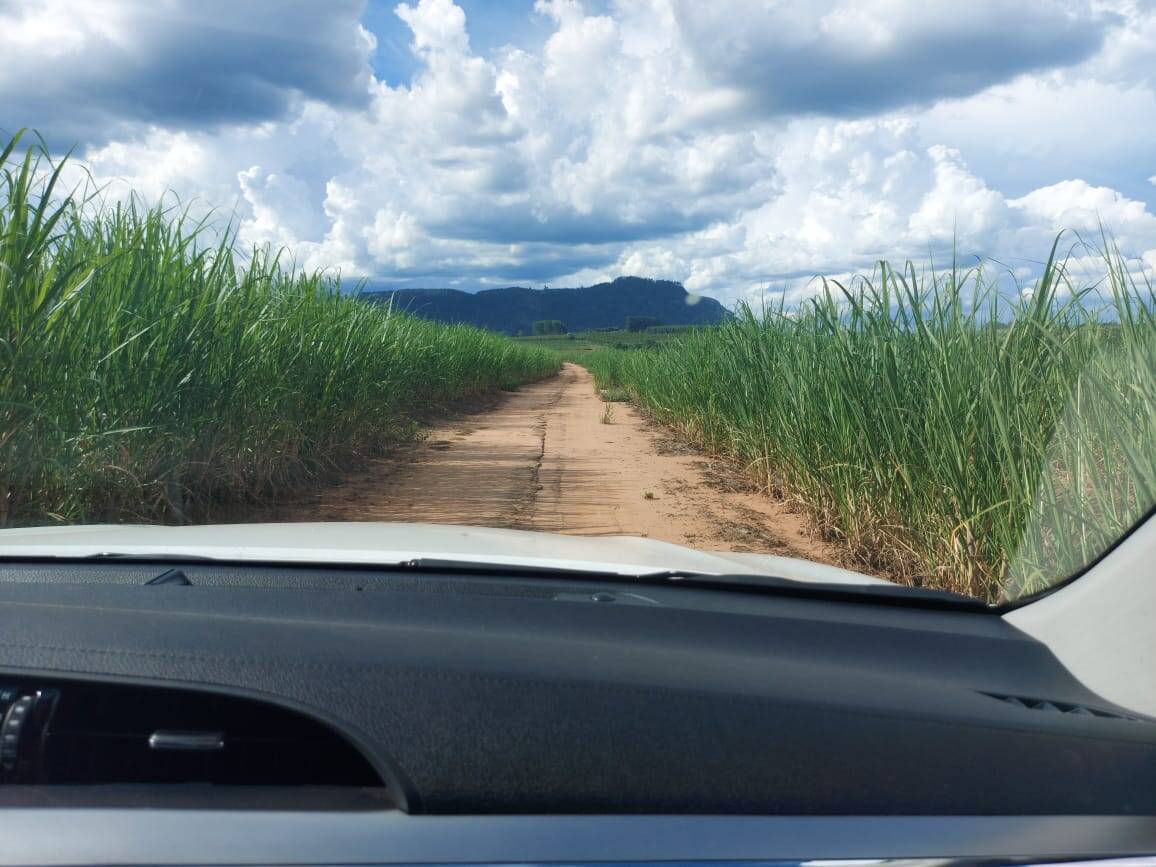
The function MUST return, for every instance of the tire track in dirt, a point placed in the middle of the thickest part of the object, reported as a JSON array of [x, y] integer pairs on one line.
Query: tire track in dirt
[[544, 460]]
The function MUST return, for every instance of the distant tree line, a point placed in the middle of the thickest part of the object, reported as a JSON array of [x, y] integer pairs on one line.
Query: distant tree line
[[641, 323], [549, 326], [546, 327]]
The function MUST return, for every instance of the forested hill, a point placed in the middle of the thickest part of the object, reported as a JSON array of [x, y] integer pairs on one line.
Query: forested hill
[[515, 309]]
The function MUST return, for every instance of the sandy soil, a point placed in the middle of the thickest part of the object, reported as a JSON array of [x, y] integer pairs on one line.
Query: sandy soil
[[543, 459]]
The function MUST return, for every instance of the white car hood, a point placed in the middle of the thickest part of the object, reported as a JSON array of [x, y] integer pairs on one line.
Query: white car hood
[[387, 544]]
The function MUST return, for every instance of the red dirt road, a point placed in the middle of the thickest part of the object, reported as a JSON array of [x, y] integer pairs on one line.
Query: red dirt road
[[544, 460]]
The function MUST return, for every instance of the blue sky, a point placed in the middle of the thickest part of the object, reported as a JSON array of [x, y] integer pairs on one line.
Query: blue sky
[[492, 25], [734, 145]]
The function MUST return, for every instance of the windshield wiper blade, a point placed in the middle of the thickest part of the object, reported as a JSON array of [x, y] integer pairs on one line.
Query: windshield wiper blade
[[482, 567], [771, 584], [891, 594], [144, 558], [919, 596]]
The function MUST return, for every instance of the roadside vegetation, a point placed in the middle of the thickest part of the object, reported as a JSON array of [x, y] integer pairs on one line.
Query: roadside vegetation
[[575, 345], [149, 369], [942, 434]]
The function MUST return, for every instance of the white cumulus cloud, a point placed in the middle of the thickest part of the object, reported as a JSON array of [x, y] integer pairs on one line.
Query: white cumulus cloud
[[732, 146]]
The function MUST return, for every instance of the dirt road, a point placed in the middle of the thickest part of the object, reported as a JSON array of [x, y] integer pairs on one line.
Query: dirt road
[[543, 459]]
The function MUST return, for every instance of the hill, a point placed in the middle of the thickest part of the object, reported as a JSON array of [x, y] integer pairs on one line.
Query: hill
[[514, 309]]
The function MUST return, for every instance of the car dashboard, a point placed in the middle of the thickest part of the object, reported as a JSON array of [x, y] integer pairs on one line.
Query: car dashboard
[[302, 715]]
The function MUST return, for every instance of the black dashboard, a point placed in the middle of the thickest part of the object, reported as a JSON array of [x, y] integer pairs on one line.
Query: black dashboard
[[368, 700]]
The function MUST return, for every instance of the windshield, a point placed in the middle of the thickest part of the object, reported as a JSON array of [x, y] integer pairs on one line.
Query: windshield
[[863, 285]]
